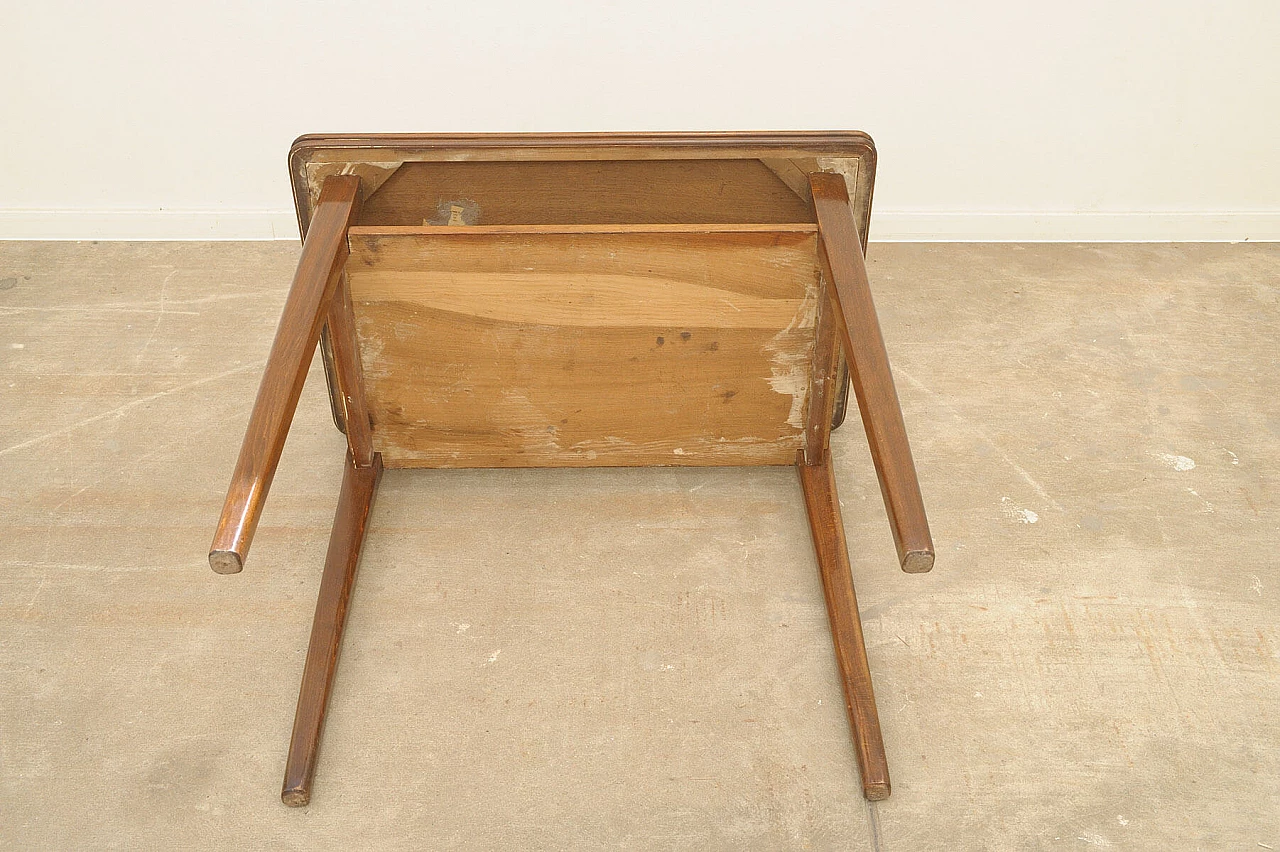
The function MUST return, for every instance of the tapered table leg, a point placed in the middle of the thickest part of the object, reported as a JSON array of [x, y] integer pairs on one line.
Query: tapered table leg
[[855, 316], [823, 506], [324, 252], [358, 487]]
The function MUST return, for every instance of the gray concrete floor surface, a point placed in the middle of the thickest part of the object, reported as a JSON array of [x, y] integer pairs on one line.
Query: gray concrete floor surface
[[640, 659]]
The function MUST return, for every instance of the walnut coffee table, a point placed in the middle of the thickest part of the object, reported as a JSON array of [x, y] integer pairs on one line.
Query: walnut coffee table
[[582, 300]]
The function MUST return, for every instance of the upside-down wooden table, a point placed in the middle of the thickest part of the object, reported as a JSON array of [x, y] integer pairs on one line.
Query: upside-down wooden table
[[577, 300]]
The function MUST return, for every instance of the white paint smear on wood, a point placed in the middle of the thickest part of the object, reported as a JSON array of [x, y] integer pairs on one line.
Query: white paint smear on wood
[[791, 359]]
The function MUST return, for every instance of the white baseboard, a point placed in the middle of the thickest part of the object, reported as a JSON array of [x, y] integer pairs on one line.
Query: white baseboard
[[886, 226], [1070, 227], [148, 224]]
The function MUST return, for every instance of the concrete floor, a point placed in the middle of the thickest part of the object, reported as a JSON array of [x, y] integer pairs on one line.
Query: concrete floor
[[640, 659]]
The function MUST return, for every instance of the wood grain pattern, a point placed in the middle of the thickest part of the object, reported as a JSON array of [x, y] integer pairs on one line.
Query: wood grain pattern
[[355, 501], [323, 254], [822, 381], [341, 326], [527, 147], [313, 157], [859, 328], [573, 192], [793, 174], [791, 155], [823, 506], [557, 346], [588, 228]]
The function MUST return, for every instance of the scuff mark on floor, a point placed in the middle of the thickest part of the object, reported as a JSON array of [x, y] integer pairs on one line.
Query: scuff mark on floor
[[1179, 463], [1026, 516]]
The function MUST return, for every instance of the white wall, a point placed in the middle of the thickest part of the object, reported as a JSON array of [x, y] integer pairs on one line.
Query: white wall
[[995, 119]]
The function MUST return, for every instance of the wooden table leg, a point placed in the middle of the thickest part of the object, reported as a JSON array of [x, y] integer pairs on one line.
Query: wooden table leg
[[823, 506], [841, 255], [324, 252], [359, 485], [346, 361]]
